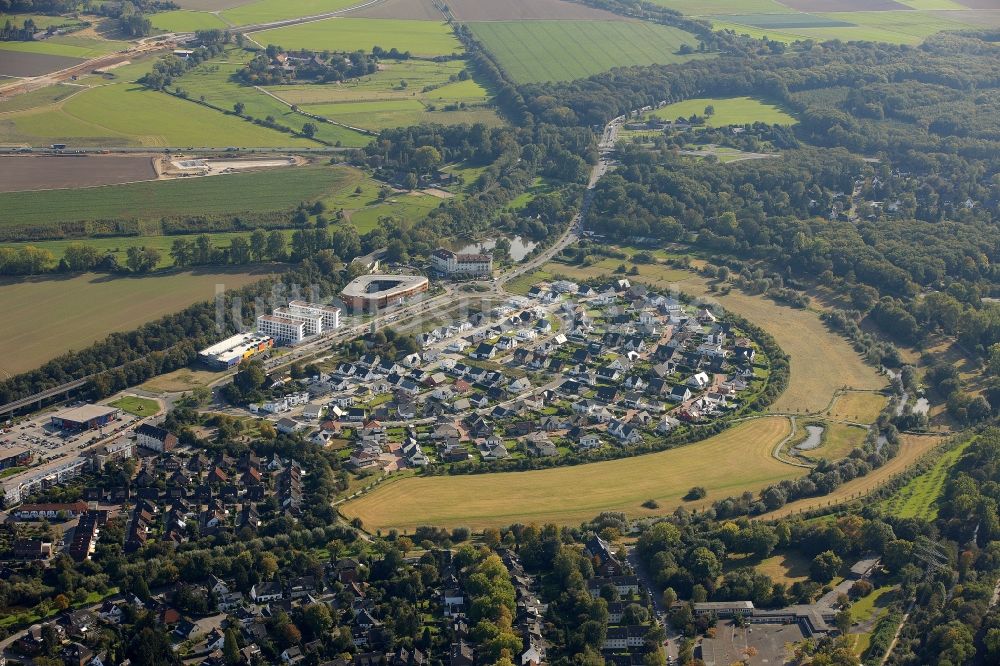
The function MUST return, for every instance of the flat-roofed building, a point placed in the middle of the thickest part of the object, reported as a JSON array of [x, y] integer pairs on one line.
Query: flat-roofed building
[[281, 329], [330, 314], [232, 351], [371, 292], [15, 456], [313, 322], [85, 417]]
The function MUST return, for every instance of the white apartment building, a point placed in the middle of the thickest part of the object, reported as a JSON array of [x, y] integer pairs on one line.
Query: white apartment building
[[330, 314], [279, 328], [313, 323], [450, 263]]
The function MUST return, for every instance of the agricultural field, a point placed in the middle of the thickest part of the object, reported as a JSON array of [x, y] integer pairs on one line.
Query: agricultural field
[[37, 98], [70, 46], [421, 38], [736, 460], [43, 172], [43, 21], [727, 111], [919, 497], [91, 306], [212, 81], [822, 361], [20, 64], [399, 113], [913, 448], [527, 10], [711, 7], [540, 51], [124, 115], [859, 407], [275, 190], [268, 11], [211, 5], [186, 21]]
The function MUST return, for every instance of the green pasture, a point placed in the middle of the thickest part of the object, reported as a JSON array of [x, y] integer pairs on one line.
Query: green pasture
[[37, 98], [728, 111], [422, 38], [186, 21], [268, 11], [705, 7], [398, 113], [919, 497], [537, 51], [42, 21], [261, 191], [70, 46], [126, 114]]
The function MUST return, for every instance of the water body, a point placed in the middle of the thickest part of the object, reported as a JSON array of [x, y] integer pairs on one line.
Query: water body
[[814, 439], [519, 247]]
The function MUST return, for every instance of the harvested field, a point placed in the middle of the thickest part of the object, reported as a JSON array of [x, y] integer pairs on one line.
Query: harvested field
[[91, 306], [980, 4], [734, 461], [780, 21], [527, 10], [985, 18], [16, 63], [846, 5], [211, 5], [410, 10], [710, 7], [268, 11], [913, 448], [47, 172]]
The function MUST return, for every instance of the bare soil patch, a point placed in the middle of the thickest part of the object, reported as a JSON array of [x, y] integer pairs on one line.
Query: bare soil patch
[[845, 5], [413, 10], [526, 10], [49, 172], [15, 63]]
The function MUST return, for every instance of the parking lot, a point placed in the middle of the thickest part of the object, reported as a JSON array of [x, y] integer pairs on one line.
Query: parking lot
[[46, 442]]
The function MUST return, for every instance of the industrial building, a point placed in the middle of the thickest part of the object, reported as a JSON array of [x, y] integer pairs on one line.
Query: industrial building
[[85, 417], [231, 351], [16, 456], [372, 292], [447, 262]]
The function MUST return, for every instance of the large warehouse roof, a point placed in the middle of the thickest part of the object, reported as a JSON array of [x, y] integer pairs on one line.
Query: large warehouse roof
[[84, 413]]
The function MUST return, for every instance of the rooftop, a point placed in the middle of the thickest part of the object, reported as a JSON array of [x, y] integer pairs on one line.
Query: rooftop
[[385, 285], [85, 413]]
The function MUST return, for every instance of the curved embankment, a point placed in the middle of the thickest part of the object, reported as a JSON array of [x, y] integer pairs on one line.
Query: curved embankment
[[727, 464]]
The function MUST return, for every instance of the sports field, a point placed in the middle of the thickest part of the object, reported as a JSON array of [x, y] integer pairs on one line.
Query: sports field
[[268, 11], [540, 51], [127, 114], [913, 448], [47, 316], [727, 111], [274, 190], [727, 464], [422, 38], [919, 497]]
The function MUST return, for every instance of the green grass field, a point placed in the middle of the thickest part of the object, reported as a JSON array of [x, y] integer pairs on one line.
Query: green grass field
[[67, 45], [423, 38], [119, 245], [858, 407], [186, 21], [838, 441], [736, 460], [399, 113], [42, 21], [212, 80], [728, 111], [919, 497], [133, 404], [37, 98], [268, 11], [127, 114], [91, 306], [707, 7], [537, 51], [272, 190], [364, 208]]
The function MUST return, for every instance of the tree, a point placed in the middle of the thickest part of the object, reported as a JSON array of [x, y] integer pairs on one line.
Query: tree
[[231, 648], [825, 566], [426, 158], [182, 252], [709, 111], [239, 108], [276, 245], [309, 130], [239, 250], [258, 245], [61, 602], [80, 257], [141, 259]]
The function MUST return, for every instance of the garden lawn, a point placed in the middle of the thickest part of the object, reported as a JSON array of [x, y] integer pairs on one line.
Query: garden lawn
[[133, 404]]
